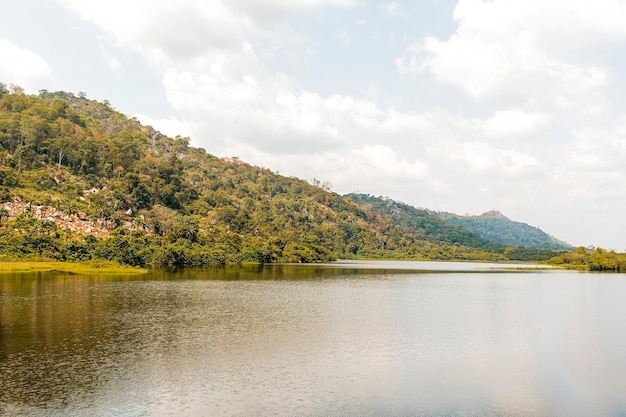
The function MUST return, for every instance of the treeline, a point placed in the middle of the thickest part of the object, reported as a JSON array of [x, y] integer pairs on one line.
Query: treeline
[[30, 238], [165, 203], [592, 259]]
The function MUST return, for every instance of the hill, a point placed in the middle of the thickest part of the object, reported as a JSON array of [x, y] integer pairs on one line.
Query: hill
[[493, 226], [81, 181], [421, 223]]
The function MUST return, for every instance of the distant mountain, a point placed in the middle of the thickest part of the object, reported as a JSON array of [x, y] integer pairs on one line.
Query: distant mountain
[[424, 224], [495, 227]]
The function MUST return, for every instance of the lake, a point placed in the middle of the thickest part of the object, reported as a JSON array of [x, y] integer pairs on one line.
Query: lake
[[344, 339]]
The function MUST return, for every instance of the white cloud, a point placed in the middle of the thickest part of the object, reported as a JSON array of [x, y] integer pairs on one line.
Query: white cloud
[[211, 70], [556, 20], [263, 12], [24, 68], [597, 150], [271, 112], [520, 53], [515, 122], [394, 9], [511, 163], [164, 32], [513, 70], [385, 159], [169, 126]]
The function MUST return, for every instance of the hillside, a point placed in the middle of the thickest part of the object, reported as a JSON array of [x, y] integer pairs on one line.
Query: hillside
[[81, 181], [421, 223], [493, 226]]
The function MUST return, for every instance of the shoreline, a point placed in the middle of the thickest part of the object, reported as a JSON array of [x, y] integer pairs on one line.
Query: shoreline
[[69, 267]]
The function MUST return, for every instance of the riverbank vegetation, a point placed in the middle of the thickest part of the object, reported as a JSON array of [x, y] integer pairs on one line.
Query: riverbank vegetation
[[81, 182], [94, 267], [592, 259]]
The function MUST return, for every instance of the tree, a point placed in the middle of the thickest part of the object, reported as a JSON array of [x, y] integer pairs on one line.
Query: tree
[[16, 89], [4, 214], [65, 140]]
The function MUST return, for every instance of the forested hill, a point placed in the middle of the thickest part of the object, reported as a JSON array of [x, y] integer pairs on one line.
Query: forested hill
[[421, 223], [80, 181], [495, 227]]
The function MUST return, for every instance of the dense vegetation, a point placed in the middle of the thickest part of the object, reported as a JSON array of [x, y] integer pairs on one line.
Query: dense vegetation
[[593, 259], [434, 227], [79, 181], [493, 226]]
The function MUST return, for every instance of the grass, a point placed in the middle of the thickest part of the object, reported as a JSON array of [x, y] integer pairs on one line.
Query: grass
[[93, 267]]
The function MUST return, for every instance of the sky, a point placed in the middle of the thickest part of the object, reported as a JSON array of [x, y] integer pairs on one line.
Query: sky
[[462, 106]]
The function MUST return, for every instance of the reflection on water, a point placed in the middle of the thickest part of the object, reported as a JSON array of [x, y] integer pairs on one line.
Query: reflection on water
[[312, 341]]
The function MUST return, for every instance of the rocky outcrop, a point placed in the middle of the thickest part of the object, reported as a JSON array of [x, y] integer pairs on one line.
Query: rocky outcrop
[[79, 223]]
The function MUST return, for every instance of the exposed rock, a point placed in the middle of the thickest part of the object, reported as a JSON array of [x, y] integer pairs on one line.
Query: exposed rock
[[76, 222]]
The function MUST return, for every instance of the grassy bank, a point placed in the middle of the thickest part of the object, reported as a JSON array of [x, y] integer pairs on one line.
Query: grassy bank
[[95, 267]]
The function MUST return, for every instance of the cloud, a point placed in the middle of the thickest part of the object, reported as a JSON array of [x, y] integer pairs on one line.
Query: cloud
[[170, 126], [516, 122], [521, 53], [394, 9], [186, 29], [211, 70], [269, 110], [24, 68], [483, 158], [263, 13], [597, 150], [165, 33], [385, 159], [514, 70]]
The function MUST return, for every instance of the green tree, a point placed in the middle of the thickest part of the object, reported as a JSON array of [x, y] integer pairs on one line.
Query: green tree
[[4, 214], [66, 139]]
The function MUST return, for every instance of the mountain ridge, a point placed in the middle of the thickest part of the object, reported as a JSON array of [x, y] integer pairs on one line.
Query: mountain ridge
[[495, 227], [492, 226]]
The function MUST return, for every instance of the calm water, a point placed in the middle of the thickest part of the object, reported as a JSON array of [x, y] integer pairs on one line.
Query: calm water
[[399, 339]]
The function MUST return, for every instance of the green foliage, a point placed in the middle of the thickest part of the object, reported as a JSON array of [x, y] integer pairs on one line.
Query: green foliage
[[593, 259], [530, 254]]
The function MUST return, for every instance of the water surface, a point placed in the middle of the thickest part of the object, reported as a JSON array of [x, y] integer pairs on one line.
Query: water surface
[[355, 339]]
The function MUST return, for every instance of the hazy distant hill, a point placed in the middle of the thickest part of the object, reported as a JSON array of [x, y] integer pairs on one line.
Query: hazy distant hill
[[423, 223], [495, 227]]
